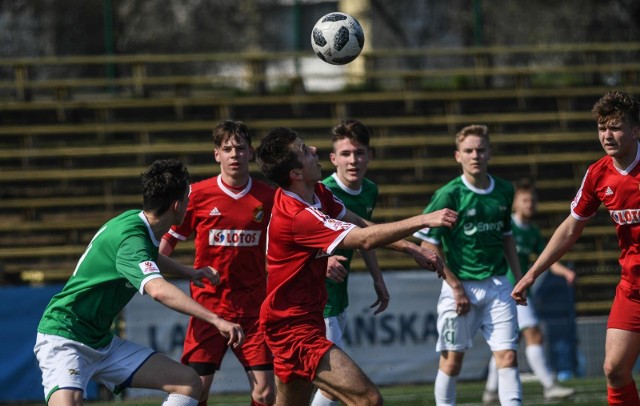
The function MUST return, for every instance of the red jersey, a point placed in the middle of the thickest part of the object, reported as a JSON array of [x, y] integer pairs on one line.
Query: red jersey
[[301, 236], [619, 191], [230, 235]]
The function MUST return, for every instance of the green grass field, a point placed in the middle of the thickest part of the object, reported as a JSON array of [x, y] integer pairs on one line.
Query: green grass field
[[589, 392]]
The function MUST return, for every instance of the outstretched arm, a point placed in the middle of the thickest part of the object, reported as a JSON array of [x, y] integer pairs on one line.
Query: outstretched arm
[[391, 235], [561, 241]]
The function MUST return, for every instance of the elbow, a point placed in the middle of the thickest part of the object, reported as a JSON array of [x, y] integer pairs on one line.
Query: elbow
[[367, 245]]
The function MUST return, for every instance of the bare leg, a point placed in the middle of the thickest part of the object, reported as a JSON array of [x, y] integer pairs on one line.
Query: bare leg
[[66, 397], [163, 373], [340, 376], [621, 351], [294, 393], [262, 386]]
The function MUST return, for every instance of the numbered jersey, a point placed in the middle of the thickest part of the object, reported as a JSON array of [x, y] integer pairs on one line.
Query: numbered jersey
[[117, 263], [230, 235]]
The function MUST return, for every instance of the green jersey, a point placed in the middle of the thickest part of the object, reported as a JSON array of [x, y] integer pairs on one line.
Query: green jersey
[[362, 203], [117, 263], [529, 241], [474, 247]]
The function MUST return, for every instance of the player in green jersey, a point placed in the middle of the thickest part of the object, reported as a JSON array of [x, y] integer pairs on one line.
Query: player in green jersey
[[351, 155], [529, 241], [478, 251], [75, 343]]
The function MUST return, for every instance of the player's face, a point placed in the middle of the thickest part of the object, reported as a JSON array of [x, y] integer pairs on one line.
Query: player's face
[[309, 159], [234, 155], [351, 160], [618, 139], [473, 154], [524, 204]]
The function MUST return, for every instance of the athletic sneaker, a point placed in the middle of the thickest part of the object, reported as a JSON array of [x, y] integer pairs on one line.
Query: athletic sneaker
[[557, 392], [489, 397]]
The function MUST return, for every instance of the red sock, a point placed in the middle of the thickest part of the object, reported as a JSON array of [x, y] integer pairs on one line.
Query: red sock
[[626, 395], [255, 403]]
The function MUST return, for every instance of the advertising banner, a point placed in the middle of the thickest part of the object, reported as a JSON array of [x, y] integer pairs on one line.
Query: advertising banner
[[395, 346]]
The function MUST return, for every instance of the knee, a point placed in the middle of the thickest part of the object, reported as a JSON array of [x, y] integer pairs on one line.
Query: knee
[[506, 359], [265, 395], [374, 397], [615, 374], [190, 384]]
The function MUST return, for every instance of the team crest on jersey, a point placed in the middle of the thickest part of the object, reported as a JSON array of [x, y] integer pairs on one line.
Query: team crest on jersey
[[258, 214], [148, 267]]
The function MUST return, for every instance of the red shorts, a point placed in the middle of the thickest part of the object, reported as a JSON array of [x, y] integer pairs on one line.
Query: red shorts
[[625, 310], [298, 344], [205, 344]]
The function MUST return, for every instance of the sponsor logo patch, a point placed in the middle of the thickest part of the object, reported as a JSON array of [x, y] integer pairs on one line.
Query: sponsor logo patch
[[234, 238], [148, 267]]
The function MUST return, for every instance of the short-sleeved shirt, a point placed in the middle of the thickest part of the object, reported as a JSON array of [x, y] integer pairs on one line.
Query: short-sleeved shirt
[[474, 247], [230, 230], [619, 191], [118, 262], [529, 242], [300, 237], [361, 202]]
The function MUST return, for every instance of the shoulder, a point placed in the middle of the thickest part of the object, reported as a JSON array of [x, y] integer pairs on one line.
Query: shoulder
[[206, 184], [503, 183], [368, 184], [453, 186]]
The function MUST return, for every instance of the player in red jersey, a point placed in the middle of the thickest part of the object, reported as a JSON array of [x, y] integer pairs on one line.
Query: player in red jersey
[[229, 214], [307, 224], [613, 181]]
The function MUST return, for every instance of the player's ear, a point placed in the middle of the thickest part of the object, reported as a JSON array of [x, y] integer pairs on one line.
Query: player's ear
[[332, 158], [216, 154], [295, 174]]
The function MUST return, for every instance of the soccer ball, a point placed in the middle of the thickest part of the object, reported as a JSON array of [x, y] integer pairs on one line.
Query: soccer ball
[[337, 38]]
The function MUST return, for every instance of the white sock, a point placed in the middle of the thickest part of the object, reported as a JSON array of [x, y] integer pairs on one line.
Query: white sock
[[179, 400], [492, 376], [537, 362], [509, 387], [320, 400], [444, 389]]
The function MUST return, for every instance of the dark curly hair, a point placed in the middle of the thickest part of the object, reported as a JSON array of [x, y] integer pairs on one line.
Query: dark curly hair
[[617, 105], [164, 182], [275, 158]]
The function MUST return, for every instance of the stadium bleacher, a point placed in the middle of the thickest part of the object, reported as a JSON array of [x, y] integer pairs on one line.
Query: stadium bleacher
[[73, 147]]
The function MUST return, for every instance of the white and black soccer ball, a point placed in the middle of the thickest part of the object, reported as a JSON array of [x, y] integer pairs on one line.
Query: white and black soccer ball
[[337, 38]]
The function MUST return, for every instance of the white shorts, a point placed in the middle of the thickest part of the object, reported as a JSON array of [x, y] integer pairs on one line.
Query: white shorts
[[335, 328], [492, 311], [68, 364], [527, 316]]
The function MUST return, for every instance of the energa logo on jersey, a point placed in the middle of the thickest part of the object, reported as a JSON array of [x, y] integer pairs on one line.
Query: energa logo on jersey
[[234, 238]]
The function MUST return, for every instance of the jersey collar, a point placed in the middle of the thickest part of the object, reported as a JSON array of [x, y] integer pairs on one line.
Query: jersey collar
[[347, 189], [474, 189], [146, 223]]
